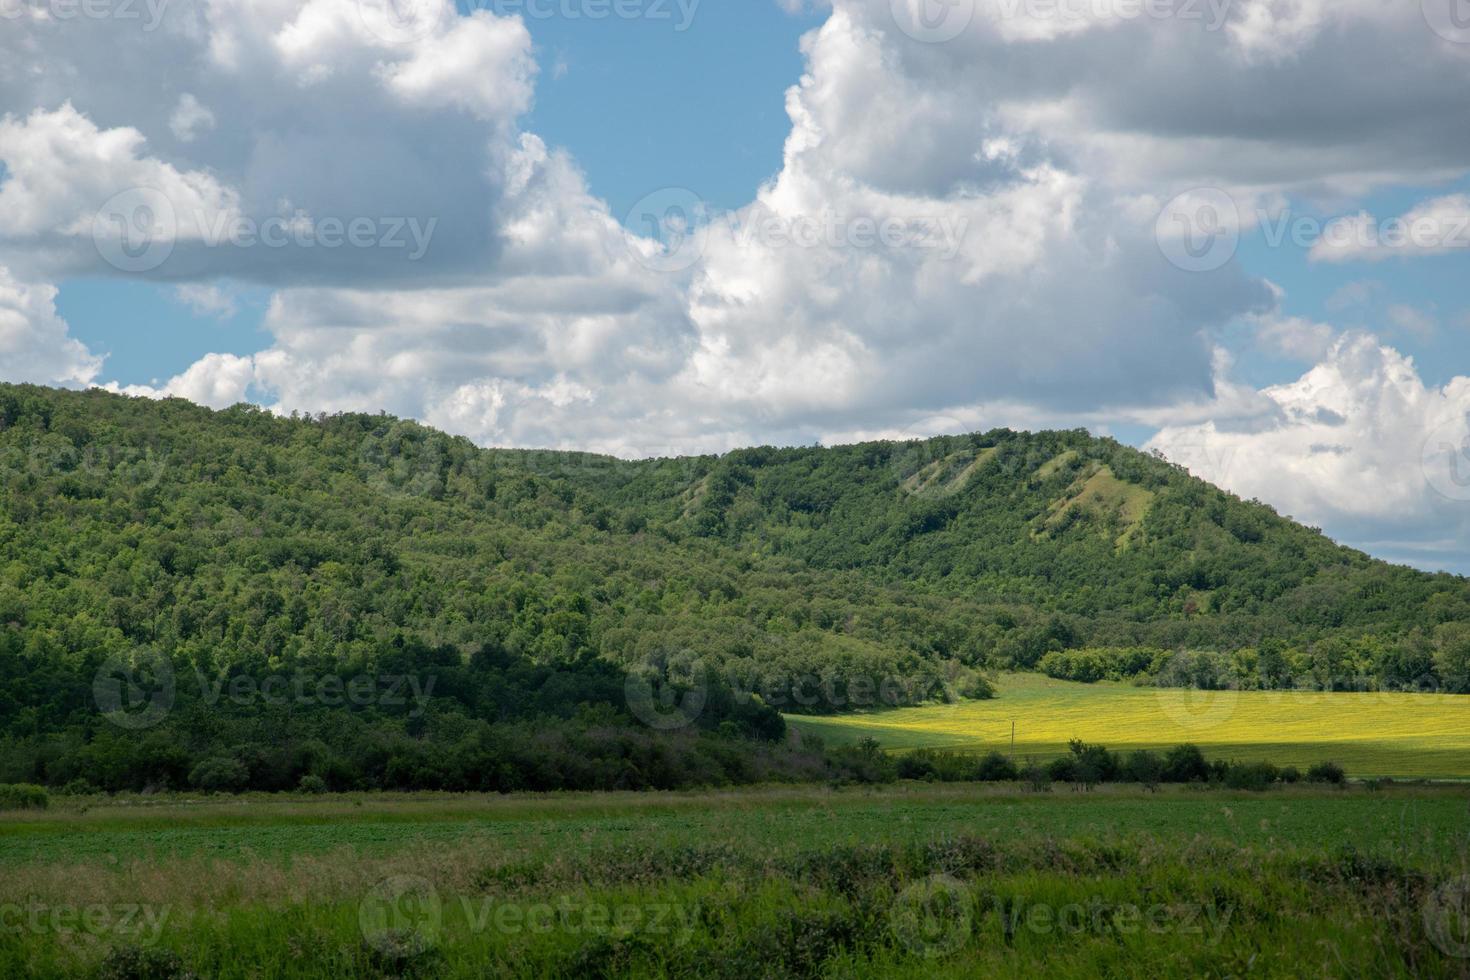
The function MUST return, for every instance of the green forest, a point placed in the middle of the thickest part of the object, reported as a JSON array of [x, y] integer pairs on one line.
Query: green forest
[[235, 549]]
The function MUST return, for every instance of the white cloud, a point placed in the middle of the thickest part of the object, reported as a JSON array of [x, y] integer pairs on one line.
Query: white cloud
[[1359, 445], [216, 380], [62, 169], [481, 64], [1435, 227], [190, 119], [34, 344], [1294, 337], [1412, 320], [207, 300]]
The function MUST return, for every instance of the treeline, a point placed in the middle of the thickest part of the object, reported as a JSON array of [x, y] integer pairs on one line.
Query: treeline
[[1423, 661], [416, 717], [1086, 766]]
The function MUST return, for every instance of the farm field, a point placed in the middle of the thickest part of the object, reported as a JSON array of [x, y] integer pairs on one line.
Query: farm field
[[907, 880], [1370, 734]]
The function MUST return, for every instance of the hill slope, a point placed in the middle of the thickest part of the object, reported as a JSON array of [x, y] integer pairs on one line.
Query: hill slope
[[239, 537]]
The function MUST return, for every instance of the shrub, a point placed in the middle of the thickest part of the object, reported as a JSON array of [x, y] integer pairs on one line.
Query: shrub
[[312, 784], [1092, 763], [996, 768], [23, 796], [220, 775], [1185, 764], [1255, 776], [1291, 774], [1062, 770], [1038, 780], [916, 765], [1326, 772], [1144, 767]]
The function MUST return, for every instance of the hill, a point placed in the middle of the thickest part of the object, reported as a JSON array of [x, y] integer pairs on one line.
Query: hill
[[238, 543]]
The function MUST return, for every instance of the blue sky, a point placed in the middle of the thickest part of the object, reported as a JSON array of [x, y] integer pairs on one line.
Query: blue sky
[[640, 104]]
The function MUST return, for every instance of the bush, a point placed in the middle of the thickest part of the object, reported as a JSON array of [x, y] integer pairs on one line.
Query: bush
[[1185, 764], [996, 768], [1326, 772], [1291, 774], [1062, 770], [1038, 780], [220, 776], [312, 784], [23, 796], [1144, 767], [1092, 763], [1255, 776], [916, 765]]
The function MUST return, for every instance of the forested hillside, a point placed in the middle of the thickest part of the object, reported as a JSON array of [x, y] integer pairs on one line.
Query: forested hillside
[[241, 543]]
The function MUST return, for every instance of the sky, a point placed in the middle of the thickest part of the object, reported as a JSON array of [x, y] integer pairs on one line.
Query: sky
[[1232, 231]]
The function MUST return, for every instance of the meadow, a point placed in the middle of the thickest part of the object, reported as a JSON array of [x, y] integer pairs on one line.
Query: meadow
[[904, 880], [1371, 734]]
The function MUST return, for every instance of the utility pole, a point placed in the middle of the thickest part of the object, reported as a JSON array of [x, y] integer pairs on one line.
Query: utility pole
[[1013, 738]]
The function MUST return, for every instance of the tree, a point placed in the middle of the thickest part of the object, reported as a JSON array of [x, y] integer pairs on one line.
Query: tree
[[1185, 764], [1452, 656]]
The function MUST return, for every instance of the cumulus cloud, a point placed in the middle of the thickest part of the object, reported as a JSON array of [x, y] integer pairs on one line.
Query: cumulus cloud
[[190, 119], [207, 300], [1435, 227], [1358, 444], [216, 380], [34, 344], [62, 169]]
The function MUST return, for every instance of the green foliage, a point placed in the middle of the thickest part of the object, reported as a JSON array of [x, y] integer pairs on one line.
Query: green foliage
[[1251, 775], [243, 547], [1145, 768], [1185, 764], [1326, 772], [216, 775], [23, 796], [995, 767]]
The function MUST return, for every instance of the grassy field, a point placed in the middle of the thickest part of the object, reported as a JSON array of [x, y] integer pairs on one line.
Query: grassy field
[[907, 880], [1370, 734]]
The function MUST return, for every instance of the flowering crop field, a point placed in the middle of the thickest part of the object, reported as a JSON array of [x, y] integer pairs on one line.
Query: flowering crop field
[[1369, 734]]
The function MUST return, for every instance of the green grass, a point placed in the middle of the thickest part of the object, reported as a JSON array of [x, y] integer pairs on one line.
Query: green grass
[[908, 880], [1370, 734]]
